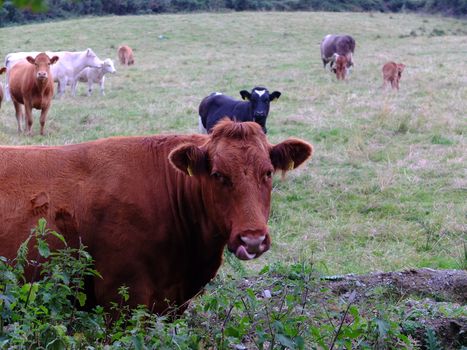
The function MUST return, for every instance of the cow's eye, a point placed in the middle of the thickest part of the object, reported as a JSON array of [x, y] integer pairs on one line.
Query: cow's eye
[[268, 175], [221, 178]]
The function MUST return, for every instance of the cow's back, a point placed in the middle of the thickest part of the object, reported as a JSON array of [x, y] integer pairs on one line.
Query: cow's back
[[340, 44], [217, 106]]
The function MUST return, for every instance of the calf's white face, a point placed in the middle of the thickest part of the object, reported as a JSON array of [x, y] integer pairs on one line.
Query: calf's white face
[[108, 66]]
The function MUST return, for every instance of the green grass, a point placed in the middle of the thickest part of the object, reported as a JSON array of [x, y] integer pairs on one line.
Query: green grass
[[386, 188]]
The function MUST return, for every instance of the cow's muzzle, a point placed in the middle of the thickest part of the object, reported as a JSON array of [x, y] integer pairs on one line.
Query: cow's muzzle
[[42, 75], [260, 114], [251, 244]]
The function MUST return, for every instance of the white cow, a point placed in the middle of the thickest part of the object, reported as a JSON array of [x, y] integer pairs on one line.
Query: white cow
[[93, 75], [69, 64]]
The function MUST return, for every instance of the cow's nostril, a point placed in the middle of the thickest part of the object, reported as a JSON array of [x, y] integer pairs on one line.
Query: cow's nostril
[[253, 243]]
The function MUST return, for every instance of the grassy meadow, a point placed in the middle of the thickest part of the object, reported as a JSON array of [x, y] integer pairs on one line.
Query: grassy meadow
[[386, 189]]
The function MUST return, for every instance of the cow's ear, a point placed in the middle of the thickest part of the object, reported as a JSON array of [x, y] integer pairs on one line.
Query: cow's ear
[[89, 52], [274, 96], [31, 60], [245, 95], [189, 159], [290, 154], [2, 70], [54, 59]]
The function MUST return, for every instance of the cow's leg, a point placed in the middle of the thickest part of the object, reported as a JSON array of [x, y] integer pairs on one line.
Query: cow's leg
[[102, 83], [19, 115], [89, 87], [74, 83], [43, 118], [28, 113], [61, 87], [7, 86]]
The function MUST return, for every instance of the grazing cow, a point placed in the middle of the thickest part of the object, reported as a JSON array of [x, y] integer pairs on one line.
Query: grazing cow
[[155, 212], [69, 65], [217, 106], [31, 84], [2, 70], [338, 48], [93, 75], [392, 73], [125, 55]]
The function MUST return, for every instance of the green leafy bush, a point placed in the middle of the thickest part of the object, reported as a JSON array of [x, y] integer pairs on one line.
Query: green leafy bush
[[284, 307]]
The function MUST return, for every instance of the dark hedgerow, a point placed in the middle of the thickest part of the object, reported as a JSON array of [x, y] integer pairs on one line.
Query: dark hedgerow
[[23, 11]]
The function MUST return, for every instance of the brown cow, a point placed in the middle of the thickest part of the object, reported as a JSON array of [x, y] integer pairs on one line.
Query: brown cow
[[31, 84], [155, 212], [2, 70], [340, 67], [125, 55], [392, 73]]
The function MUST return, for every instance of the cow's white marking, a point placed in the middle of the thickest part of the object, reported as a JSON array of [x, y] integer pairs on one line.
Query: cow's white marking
[[217, 93], [260, 92]]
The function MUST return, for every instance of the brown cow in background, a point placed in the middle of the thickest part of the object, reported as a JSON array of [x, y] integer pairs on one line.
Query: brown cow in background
[[125, 55], [392, 73], [155, 212], [2, 70], [31, 84]]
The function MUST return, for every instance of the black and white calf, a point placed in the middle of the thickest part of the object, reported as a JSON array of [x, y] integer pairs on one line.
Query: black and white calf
[[255, 108]]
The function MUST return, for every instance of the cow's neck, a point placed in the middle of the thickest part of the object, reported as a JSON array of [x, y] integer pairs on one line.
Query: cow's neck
[[41, 85], [79, 59], [206, 239]]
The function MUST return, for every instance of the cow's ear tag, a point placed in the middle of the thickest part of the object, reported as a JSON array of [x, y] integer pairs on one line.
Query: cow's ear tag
[[291, 165], [189, 171]]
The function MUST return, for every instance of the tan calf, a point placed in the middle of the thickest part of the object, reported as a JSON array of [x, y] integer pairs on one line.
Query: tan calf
[[125, 55], [392, 72]]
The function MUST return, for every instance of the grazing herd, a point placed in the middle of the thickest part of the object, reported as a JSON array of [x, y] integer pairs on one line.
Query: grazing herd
[[185, 196]]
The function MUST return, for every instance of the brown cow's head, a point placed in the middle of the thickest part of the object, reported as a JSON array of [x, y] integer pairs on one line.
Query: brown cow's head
[[42, 63], [400, 69], [234, 168], [340, 66]]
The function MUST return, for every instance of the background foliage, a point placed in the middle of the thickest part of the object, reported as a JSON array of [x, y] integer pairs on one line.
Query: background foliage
[[13, 11]]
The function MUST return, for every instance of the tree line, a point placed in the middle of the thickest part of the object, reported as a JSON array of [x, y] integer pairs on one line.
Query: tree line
[[23, 11]]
